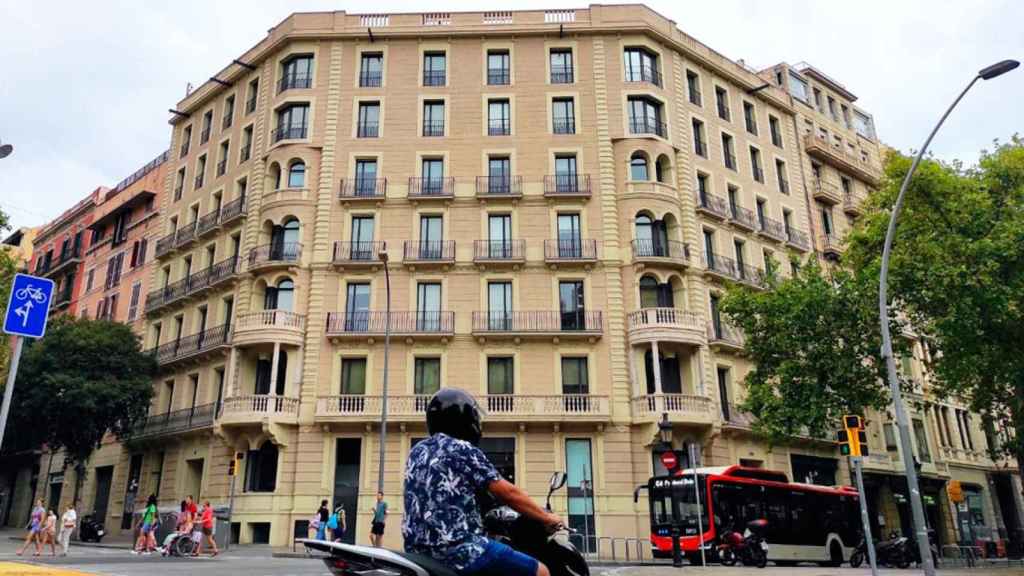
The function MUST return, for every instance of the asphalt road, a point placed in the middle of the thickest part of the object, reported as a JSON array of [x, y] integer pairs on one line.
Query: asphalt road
[[258, 561]]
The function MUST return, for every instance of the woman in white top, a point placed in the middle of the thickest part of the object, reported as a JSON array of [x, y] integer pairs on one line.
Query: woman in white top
[[67, 527]]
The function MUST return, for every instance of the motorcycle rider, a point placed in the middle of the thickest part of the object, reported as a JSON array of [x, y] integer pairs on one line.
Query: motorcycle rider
[[442, 518]]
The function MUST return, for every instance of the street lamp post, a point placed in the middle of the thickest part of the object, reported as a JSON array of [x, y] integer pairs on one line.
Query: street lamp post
[[988, 73], [383, 255], [665, 435]]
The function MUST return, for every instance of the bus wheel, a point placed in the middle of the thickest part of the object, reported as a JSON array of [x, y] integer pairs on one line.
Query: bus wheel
[[727, 558], [835, 552]]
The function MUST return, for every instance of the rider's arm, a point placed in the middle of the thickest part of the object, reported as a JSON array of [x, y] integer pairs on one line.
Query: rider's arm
[[516, 498]]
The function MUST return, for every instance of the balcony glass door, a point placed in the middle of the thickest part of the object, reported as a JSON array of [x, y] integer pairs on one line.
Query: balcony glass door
[[499, 306], [499, 176], [580, 468], [432, 174], [570, 244], [565, 174], [570, 303], [366, 178], [362, 238], [428, 307], [357, 308], [431, 237], [499, 236]]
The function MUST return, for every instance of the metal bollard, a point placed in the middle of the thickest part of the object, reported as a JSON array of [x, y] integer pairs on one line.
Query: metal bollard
[[677, 554]]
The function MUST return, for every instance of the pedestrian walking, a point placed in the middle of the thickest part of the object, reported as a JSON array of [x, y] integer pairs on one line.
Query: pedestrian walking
[[323, 515], [50, 532], [195, 526], [34, 528], [146, 543], [68, 521], [336, 524], [206, 520], [380, 513]]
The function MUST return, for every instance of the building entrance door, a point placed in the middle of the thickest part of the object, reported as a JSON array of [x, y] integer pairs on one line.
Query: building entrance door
[[104, 478], [347, 458]]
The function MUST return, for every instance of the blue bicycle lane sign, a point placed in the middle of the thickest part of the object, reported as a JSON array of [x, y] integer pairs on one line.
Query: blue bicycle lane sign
[[29, 306]]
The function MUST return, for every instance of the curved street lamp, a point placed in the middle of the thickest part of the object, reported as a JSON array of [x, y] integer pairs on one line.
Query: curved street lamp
[[988, 73]]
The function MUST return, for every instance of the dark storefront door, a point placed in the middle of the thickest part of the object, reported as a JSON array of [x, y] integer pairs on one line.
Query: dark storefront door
[[1011, 517], [104, 478], [348, 455], [131, 490]]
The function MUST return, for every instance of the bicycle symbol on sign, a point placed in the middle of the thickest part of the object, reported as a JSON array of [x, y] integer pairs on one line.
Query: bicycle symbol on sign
[[29, 294]]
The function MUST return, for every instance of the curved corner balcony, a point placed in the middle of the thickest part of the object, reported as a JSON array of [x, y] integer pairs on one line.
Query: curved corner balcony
[[269, 326], [277, 255], [689, 409], [259, 409], [496, 407], [666, 325], [666, 253]]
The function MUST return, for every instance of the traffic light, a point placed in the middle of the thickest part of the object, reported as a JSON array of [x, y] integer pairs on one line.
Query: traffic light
[[853, 422], [231, 467], [843, 437], [862, 442]]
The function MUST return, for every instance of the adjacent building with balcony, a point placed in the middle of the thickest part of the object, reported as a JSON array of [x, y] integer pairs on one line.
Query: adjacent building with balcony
[[59, 250], [559, 215]]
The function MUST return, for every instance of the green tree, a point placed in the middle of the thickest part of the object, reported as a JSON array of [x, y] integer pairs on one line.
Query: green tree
[[957, 273], [815, 343], [7, 269], [83, 380]]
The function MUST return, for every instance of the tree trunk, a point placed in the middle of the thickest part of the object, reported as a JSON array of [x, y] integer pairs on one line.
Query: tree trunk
[[79, 474]]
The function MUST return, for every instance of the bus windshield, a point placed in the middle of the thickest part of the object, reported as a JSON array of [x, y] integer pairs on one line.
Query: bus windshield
[[673, 499]]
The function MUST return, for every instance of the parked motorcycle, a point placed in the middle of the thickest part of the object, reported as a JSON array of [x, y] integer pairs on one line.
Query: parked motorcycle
[[501, 523], [91, 529], [898, 551], [859, 553], [750, 548]]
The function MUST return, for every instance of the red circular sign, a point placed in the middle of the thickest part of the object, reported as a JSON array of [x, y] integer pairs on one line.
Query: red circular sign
[[669, 460]]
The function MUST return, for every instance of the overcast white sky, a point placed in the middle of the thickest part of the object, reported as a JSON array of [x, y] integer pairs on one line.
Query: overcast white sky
[[85, 86]]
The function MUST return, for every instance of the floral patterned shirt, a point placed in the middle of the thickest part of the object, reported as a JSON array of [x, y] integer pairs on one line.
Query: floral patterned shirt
[[442, 519]]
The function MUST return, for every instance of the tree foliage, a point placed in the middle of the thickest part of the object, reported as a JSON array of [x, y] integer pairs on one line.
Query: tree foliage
[[84, 379], [815, 343], [8, 267], [957, 272]]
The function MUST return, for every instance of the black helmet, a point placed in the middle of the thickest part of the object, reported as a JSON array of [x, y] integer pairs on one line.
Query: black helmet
[[454, 412]]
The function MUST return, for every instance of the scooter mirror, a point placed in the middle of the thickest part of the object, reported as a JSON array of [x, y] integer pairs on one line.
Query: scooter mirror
[[558, 480]]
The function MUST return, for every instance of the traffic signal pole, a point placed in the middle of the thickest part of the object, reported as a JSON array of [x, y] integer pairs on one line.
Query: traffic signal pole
[[865, 520]]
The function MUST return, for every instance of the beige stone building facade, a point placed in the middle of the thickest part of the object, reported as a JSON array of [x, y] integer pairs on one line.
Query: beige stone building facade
[[557, 198]]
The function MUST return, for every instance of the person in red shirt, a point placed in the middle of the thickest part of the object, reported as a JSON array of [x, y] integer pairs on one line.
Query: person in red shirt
[[206, 521]]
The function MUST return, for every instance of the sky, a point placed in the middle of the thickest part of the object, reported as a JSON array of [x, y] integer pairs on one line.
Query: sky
[[86, 86]]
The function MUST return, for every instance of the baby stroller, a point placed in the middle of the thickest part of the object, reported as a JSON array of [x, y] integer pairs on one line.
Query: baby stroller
[[178, 544]]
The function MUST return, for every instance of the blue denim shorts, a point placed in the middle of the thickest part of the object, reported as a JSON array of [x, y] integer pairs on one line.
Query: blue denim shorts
[[501, 560]]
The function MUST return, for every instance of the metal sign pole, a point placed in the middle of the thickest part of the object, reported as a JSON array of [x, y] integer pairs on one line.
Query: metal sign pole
[[865, 520], [696, 493], [9, 387]]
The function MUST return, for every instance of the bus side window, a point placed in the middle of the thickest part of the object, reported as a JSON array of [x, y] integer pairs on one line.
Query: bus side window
[[753, 496], [802, 518]]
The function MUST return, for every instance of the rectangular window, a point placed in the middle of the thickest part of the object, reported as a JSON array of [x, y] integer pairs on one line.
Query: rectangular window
[[246, 152], [780, 174], [641, 66], [292, 122], [563, 116], [499, 305], [923, 451], [434, 69], [566, 177], [722, 101], [204, 136], [700, 146], [369, 120], [432, 176], [362, 238], [728, 154], [499, 120], [371, 69], [502, 454], [186, 141], [755, 164], [500, 381], [426, 376], [561, 66], [296, 72], [433, 118], [693, 88], [229, 112], [353, 376], [254, 92], [499, 175], [645, 116], [498, 71], [832, 109], [133, 303], [571, 304], [750, 118], [817, 100], [428, 306], [776, 130], [366, 178], [798, 87], [723, 392], [575, 379], [846, 116], [499, 236]]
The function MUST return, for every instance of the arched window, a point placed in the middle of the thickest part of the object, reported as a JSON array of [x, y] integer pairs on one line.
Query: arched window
[[284, 240], [297, 174], [285, 295], [662, 169], [655, 295], [261, 469], [638, 167], [651, 237], [275, 175]]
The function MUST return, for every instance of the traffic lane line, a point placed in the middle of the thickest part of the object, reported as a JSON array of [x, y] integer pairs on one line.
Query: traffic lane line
[[22, 569]]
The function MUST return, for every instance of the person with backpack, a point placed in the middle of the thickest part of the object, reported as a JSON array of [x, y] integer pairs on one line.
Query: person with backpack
[[336, 523], [322, 516]]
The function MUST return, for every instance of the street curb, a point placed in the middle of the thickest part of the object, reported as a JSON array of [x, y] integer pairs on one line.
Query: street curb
[[111, 545]]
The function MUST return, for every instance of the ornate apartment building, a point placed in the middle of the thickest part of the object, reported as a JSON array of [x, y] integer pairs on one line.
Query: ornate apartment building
[[557, 200]]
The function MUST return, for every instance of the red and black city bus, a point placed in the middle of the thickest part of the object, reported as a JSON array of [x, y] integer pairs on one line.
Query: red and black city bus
[[806, 523]]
